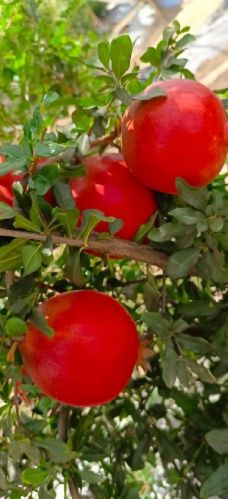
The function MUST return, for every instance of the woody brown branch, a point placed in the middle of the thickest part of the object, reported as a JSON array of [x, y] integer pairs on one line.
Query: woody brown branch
[[114, 246]]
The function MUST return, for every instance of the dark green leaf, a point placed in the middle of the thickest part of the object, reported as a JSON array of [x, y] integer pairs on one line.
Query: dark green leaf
[[90, 476], [44, 179], [12, 165], [144, 229], [34, 476], [90, 220], [38, 319], [169, 366], [67, 218], [218, 440], [197, 198], [103, 50], [120, 54], [202, 372], [187, 216], [150, 94], [216, 224], [6, 212], [23, 223], [31, 258], [181, 262], [59, 451], [195, 344], [166, 232], [216, 484], [47, 149], [157, 323], [63, 195]]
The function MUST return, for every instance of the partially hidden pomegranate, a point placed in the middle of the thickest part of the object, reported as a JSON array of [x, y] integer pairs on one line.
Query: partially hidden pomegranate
[[6, 185], [92, 354], [108, 186], [183, 134]]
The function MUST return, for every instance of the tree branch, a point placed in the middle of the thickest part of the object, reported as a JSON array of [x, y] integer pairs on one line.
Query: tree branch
[[114, 246], [63, 435]]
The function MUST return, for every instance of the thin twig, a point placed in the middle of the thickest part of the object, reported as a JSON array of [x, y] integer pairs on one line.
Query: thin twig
[[9, 279], [164, 292], [63, 419]]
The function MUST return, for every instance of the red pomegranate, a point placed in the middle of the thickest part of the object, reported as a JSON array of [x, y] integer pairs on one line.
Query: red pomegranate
[[92, 354], [179, 135], [109, 187], [6, 185]]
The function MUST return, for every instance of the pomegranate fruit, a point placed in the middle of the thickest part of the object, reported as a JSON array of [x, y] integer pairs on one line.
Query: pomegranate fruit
[[92, 354], [6, 186], [183, 134], [6, 183], [109, 187]]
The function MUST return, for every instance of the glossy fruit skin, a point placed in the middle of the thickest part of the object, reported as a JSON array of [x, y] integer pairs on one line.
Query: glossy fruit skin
[[179, 135], [109, 187], [91, 357], [6, 182]]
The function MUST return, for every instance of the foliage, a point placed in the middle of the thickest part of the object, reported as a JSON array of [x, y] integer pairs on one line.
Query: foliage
[[168, 431]]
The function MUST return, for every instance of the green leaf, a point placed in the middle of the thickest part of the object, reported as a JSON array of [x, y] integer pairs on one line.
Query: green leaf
[[6, 212], [58, 451], [50, 98], [218, 440], [150, 94], [13, 165], [15, 326], [35, 214], [187, 216], [200, 308], [216, 484], [166, 232], [38, 319], [23, 223], [216, 224], [73, 268], [115, 226], [90, 476], [120, 54], [181, 262], [67, 218], [12, 150], [44, 179], [202, 372], [185, 40], [31, 258], [157, 323], [144, 229], [90, 219], [34, 476], [194, 344], [63, 195], [103, 50], [47, 149], [169, 366], [10, 255], [197, 198]]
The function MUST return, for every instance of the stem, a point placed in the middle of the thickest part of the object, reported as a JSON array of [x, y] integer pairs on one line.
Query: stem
[[114, 246], [164, 293], [63, 419], [9, 279]]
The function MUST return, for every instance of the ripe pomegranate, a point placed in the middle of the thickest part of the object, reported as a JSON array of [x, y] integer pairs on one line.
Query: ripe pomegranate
[[6, 182], [109, 187], [92, 354], [179, 135]]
